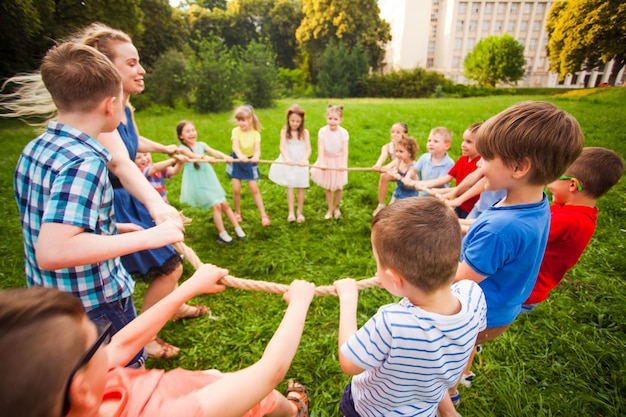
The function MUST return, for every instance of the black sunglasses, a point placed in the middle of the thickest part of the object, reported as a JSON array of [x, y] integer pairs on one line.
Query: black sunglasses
[[103, 339]]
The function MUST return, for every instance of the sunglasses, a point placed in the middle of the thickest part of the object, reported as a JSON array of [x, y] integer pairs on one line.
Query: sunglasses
[[103, 339], [579, 185]]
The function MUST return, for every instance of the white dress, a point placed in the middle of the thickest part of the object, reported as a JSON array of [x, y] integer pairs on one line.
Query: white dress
[[291, 176]]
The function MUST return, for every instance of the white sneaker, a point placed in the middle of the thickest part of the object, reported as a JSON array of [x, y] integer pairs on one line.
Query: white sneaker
[[466, 379]]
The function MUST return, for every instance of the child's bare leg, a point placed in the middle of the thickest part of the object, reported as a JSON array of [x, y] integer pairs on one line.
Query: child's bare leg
[[338, 195], [237, 194], [329, 203], [217, 218], [383, 184], [291, 200], [160, 287], [258, 198], [300, 200], [284, 408], [229, 214]]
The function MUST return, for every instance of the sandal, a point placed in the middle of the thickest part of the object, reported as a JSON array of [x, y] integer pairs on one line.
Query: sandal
[[160, 349], [187, 311], [238, 216], [300, 218], [265, 220], [296, 393]]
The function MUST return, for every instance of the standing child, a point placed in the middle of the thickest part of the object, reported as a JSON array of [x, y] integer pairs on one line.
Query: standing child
[[403, 168], [295, 149], [398, 130], [200, 186], [465, 165], [406, 357], [332, 143], [523, 148], [436, 162], [573, 216], [246, 139], [159, 172]]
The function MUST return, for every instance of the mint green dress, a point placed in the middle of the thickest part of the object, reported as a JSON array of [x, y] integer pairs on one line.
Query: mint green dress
[[200, 186]]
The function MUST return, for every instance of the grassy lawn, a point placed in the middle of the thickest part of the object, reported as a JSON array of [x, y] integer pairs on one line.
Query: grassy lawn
[[566, 357]]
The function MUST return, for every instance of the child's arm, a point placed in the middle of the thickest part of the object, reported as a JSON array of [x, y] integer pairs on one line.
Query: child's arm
[[307, 144], [257, 151], [283, 146], [475, 190], [348, 297], [216, 153], [132, 337], [384, 154], [161, 166], [237, 150], [62, 245], [345, 153], [434, 183], [464, 271], [135, 182], [224, 398], [320, 152], [146, 145], [468, 182]]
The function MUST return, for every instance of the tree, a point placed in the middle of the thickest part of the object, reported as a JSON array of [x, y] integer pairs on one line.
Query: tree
[[340, 70], [495, 59], [351, 21], [584, 34], [258, 75]]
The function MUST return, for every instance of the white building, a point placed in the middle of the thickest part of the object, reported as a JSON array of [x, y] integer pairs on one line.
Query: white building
[[438, 35]]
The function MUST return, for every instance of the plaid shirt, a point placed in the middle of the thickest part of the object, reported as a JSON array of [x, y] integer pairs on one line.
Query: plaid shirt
[[61, 177]]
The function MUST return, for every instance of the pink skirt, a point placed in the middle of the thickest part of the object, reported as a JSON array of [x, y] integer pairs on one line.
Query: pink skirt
[[330, 179]]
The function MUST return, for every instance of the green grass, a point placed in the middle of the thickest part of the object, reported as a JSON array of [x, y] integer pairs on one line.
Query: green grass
[[566, 357]]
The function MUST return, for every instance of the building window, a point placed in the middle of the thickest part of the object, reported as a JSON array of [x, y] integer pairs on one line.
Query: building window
[[433, 17], [456, 62], [527, 7], [430, 62], [459, 24], [470, 43], [489, 8], [431, 48], [475, 7], [486, 25], [435, 2], [536, 25], [498, 26], [433, 31], [473, 24], [532, 44], [514, 8], [511, 26], [458, 43], [501, 8], [541, 7], [462, 7], [523, 25]]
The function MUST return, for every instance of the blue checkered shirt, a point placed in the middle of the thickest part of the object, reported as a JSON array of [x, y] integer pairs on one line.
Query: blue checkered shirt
[[62, 177]]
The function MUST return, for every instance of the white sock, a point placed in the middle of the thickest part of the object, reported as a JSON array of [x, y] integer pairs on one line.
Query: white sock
[[225, 236], [239, 231], [381, 205]]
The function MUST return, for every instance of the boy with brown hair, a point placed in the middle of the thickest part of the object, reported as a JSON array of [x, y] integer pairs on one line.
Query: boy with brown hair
[[55, 362], [406, 357], [523, 148], [65, 197], [573, 215]]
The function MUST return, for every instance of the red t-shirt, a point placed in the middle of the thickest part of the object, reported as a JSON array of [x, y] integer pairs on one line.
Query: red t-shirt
[[461, 169], [571, 229]]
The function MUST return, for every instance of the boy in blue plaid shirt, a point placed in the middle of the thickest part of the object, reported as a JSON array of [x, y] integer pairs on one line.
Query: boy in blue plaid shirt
[[65, 197]]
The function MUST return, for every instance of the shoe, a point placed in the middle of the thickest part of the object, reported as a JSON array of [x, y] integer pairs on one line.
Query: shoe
[[456, 399], [479, 349], [291, 218], [328, 215], [337, 213], [238, 216], [379, 208], [466, 379], [159, 349], [300, 218], [187, 311], [297, 394], [265, 220], [228, 242]]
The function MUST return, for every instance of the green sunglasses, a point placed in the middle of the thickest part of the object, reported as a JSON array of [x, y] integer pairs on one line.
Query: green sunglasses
[[569, 177]]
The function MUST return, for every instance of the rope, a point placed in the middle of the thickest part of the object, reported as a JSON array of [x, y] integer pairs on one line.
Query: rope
[[269, 161], [249, 284]]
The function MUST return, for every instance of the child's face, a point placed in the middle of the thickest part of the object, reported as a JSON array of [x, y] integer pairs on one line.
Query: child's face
[[244, 123], [333, 120], [499, 176], [397, 132], [127, 63], [295, 120], [189, 135], [437, 145], [143, 159], [402, 153], [562, 190], [468, 147]]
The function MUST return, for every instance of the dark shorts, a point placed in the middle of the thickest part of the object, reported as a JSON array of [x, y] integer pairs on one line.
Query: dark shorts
[[119, 313], [346, 405], [245, 171], [461, 214]]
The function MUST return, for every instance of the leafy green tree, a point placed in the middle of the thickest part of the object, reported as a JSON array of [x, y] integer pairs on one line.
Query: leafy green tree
[[258, 75], [495, 59], [351, 21], [584, 34], [282, 23], [166, 30], [20, 25], [340, 70], [168, 83]]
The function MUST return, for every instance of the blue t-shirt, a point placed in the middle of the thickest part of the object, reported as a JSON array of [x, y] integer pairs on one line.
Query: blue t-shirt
[[426, 170], [506, 245]]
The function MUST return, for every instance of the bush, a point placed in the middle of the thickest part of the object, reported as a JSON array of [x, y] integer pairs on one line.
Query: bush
[[213, 70], [258, 75], [293, 83], [340, 70], [404, 84], [169, 82]]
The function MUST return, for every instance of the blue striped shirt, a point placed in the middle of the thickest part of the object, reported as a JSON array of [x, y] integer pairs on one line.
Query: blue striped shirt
[[411, 356], [61, 177]]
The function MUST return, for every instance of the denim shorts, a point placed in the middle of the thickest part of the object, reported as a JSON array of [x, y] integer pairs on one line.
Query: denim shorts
[[346, 405], [119, 313]]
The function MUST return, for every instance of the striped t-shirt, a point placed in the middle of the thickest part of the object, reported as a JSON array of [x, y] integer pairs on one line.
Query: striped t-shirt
[[412, 356]]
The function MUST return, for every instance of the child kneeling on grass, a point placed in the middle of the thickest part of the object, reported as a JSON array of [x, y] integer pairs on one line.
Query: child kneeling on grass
[[55, 362], [406, 357]]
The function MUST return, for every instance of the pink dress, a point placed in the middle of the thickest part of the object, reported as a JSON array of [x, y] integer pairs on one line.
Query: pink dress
[[333, 157]]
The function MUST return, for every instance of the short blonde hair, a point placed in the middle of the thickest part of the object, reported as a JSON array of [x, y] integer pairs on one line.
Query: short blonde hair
[[443, 132], [537, 131]]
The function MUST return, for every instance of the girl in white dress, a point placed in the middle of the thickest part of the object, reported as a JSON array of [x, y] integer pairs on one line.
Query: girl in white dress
[[295, 150]]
